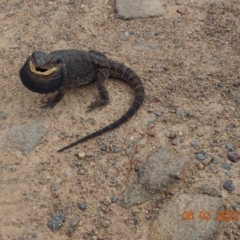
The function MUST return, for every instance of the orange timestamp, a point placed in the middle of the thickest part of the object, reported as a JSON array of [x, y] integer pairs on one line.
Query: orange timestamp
[[206, 215]]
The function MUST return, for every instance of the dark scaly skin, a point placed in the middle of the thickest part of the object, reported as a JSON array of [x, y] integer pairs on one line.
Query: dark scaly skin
[[74, 68]]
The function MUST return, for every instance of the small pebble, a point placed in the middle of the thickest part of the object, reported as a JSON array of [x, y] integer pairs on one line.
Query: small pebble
[[81, 155], [166, 105], [228, 186], [126, 34], [117, 150], [103, 147], [207, 161], [200, 166], [229, 146], [34, 235], [229, 174], [176, 141], [180, 112], [82, 206], [233, 156], [105, 223], [203, 152], [158, 114], [55, 187], [136, 168], [114, 199], [142, 142], [226, 166], [189, 113], [193, 143], [150, 121], [89, 154], [74, 222], [129, 150], [56, 221], [172, 135], [13, 169], [199, 156], [229, 127], [215, 160]]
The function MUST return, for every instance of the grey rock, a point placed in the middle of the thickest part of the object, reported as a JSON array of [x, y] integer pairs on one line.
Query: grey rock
[[215, 160], [129, 150], [193, 143], [138, 8], [142, 142], [176, 141], [23, 137], [82, 206], [74, 222], [229, 146], [226, 166], [180, 112], [207, 161], [103, 147], [56, 221], [143, 44], [235, 95], [228, 185], [229, 174], [189, 113], [114, 199], [158, 114], [117, 150], [163, 170], [199, 156], [180, 219], [55, 186], [233, 156], [172, 135]]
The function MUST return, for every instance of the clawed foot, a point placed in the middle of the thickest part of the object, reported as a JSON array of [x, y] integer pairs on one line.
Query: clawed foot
[[51, 103], [96, 104]]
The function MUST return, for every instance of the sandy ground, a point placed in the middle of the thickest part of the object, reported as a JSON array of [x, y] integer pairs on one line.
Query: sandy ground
[[189, 58]]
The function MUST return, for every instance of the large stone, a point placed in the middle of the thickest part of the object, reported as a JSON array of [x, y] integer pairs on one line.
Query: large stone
[[161, 172], [190, 216], [138, 8], [23, 137]]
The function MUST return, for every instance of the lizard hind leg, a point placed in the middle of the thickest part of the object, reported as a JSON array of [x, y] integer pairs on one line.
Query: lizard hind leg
[[102, 76]]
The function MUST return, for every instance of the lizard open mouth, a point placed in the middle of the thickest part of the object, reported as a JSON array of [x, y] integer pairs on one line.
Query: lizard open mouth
[[41, 71]]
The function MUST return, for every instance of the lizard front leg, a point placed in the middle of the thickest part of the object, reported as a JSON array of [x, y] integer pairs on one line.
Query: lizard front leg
[[102, 76], [57, 98]]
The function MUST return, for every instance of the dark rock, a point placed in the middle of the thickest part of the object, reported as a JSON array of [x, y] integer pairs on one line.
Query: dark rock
[[114, 199], [199, 156], [226, 166], [228, 186], [82, 206], [233, 156], [56, 221]]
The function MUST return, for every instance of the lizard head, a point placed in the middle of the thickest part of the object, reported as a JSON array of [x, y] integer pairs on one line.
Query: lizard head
[[43, 73]]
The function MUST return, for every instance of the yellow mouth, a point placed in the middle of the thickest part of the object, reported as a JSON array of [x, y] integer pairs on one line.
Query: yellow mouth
[[47, 72]]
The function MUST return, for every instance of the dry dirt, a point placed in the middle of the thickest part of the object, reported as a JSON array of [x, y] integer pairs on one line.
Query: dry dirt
[[188, 58]]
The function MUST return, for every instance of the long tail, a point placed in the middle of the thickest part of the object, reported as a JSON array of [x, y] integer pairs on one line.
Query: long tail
[[129, 76]]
